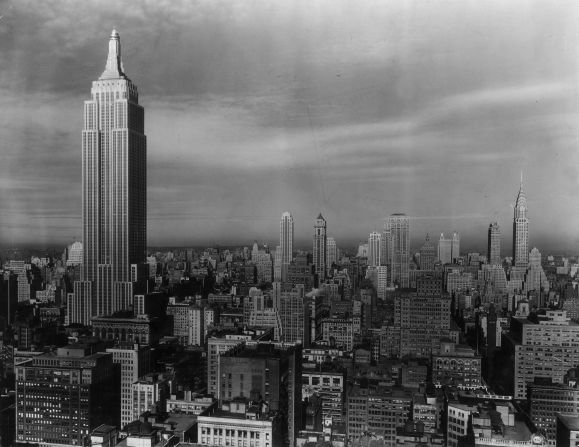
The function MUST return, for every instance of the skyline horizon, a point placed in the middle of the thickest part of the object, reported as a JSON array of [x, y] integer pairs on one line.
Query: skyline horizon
[[385, 119]]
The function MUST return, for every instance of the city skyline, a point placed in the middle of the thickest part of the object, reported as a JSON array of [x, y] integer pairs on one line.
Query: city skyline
[[357, 121]]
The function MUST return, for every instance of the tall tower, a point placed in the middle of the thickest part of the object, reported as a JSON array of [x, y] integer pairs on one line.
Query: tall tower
[[521, 230], [494, 244], [455, 248], [320, 247], [114, 192], [427, 255], [331, 253], [286, 242], [399, 225], [374, 246]]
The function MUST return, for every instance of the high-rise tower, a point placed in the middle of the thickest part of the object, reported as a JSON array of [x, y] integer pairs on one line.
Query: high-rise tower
[[114, 192], [286, 242], [521, 230], [399, 246], [374, 245], [320, 247], [494, 244], [427, 255]]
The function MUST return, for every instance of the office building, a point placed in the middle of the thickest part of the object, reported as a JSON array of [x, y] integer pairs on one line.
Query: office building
[[320, 247], [329, 384], [444, 250], [267, 371], [332, 253], [494, 244], [455, 246], [545, 348], [548, 399], [420, 321], [150, 393], [399, 247], [286, 242], [456, 365], [521, 230], [427, 255], [294, 315], [188, 323], [215, 347], [114, 190], [374, 245], [567, 431], [377, 411], [241, 422], [63, 396], [134, 361]]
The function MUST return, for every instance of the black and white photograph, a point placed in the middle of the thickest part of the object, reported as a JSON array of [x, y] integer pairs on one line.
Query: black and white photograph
[[291, 223]]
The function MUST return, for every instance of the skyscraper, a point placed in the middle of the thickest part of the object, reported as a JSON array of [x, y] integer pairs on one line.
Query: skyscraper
[[374, 245], [114, 192], [521, 230], [455, 248], [494, 244], [331, 253], [320, 247], [427, 255], [444, 249], [286, 242], [399, 225]]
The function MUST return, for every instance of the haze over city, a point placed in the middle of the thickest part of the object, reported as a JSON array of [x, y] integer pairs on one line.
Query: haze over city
[[353, 109]]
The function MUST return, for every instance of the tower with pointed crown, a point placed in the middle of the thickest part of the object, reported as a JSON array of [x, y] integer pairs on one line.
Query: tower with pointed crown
[[114, 195], [521, 230], [320, 247]]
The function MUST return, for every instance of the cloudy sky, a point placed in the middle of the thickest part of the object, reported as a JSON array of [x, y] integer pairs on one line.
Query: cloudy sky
[[357, 109]]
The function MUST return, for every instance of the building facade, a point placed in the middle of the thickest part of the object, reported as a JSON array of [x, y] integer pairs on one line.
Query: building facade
[[114, 191], [320, 247]]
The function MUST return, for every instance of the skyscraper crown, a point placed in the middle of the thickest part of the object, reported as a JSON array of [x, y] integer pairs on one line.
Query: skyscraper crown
[[521, 196], [114, 67]]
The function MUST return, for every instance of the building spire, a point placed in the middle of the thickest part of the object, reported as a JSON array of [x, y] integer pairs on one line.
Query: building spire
[[114, 67]]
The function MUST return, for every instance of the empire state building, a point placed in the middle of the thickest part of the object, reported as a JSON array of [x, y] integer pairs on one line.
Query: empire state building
[[114, 193]]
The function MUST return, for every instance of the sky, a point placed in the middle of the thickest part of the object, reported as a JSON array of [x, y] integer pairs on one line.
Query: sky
[[353, 109]]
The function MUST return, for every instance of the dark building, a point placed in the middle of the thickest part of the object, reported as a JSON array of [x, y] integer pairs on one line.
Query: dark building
[[63, 396], [267, 372], [8, 297]]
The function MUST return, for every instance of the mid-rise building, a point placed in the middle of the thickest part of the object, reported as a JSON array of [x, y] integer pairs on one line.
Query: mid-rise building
[[339, 332], [456, 365], [549, 399], [188, 323], [134, 361], [330, 386], [150, 392], [546, 347], [377, 411], [265, 371], [61, 397]]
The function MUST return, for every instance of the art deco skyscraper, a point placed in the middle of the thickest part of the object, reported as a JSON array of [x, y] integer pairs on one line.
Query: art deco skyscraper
[[114, 195], [521, 230], [399, 225], [494, 244], [320, 247], [427, 255], [374, 245], [286, 242]]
